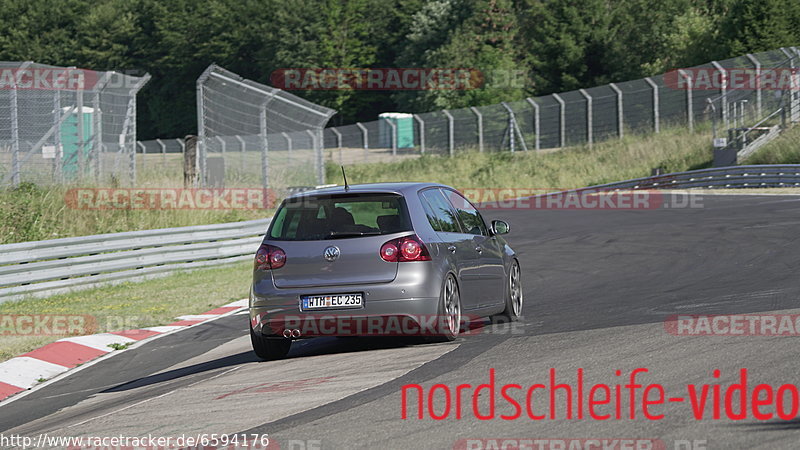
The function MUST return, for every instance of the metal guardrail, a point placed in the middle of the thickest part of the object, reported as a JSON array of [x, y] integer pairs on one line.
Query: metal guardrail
[[43, 268], [756, 176]]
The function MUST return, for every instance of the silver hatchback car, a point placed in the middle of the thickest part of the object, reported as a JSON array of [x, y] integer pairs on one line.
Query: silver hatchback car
[[379, 259]]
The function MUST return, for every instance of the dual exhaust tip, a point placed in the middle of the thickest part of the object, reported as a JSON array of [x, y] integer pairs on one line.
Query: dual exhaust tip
[[291, 334]]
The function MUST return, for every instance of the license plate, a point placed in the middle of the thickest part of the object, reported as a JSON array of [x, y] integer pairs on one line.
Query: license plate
[[332, 301]]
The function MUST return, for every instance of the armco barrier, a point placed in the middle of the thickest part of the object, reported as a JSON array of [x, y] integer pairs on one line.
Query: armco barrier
[[760, 176], [43, 268]]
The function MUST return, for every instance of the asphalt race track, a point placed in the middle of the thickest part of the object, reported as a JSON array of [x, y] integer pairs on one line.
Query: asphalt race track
[[599, 285]]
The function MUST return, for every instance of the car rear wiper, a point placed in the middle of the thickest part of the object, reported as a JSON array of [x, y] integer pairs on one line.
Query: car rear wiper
[[338, 234]]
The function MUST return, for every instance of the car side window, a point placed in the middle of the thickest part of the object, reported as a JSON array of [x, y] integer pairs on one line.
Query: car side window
[[470, 218], [440, 215]]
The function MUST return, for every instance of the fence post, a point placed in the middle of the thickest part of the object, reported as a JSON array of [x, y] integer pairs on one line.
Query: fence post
[[97, 135], [364, 139], [81, 136], [163, 149], [562, 133], [15, 165], [222, 145], [722, 91], [190, 162], [589, 124], [656, 115], [242, 149], [201, 125], [794, 103], [338, 142], [132, 120], [182, 143], [421, 133], [620, 126], [262, 115], [689, 106], [58, 174], [479, 116], [512, 127], [535, 106], [288, 141], [757, 65], [393, 137], [144, 152], [318, 160], [795, 91], [450, 132], [97, 126]]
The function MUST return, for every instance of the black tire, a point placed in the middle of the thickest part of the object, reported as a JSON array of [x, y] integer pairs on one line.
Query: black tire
[[449, 325], [270, 349], [513, 296]]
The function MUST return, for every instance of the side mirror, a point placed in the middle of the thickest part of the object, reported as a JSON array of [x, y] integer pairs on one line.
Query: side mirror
[[500, 227]]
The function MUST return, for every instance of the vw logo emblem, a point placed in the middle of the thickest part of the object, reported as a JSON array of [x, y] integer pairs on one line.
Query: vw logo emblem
[[331, 253]]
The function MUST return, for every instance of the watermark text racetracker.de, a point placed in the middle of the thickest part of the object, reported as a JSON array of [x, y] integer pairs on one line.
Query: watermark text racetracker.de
[[397, 79], [738, 78], [733, 325], [169, 198], [559, 444], [407, 325], [59, 79], [47, 324], [597, 443], [580, 199]]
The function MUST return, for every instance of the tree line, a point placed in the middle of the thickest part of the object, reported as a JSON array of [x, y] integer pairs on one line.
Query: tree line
[[558, 45]]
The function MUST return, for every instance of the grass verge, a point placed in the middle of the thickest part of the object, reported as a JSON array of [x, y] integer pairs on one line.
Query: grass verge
[[613, 160], [131, 305], [31, 213], [785, 149]]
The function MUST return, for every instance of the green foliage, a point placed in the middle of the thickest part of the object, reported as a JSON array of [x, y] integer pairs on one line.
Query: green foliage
[[760, 25], [556, 45]]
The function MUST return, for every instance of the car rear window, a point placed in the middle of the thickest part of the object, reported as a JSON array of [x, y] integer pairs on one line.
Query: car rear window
[[339, 216]]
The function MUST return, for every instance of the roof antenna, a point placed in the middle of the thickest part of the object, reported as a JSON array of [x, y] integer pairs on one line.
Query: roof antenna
[[346, 186]]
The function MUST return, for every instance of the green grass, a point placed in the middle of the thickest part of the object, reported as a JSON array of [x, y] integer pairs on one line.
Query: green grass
[[31, 213], [133, 305], [613, 160], [785, 149]]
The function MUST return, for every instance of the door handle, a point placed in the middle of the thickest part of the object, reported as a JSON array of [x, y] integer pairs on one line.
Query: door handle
[[452, 248], [478, 249]]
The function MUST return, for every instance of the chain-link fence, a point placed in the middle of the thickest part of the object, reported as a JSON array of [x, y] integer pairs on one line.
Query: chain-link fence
[[755, 104], [733, 97], [580, 117], [66, 125], [252, 134]]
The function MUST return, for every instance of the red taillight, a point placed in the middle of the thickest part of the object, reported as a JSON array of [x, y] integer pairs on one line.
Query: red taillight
[[407, 248], [269, 257]]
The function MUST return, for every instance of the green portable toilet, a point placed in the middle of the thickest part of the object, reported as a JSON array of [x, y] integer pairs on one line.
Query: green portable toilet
[[69, 139], [404, 123]]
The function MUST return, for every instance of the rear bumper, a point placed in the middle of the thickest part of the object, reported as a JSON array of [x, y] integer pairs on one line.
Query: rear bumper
[[400, 307], [399, 317]]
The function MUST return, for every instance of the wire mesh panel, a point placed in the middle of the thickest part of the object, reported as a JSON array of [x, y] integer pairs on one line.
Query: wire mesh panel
[[279, 135], [676, 98], [761, 95], [638, 102], [605, 113], [66, 125]]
